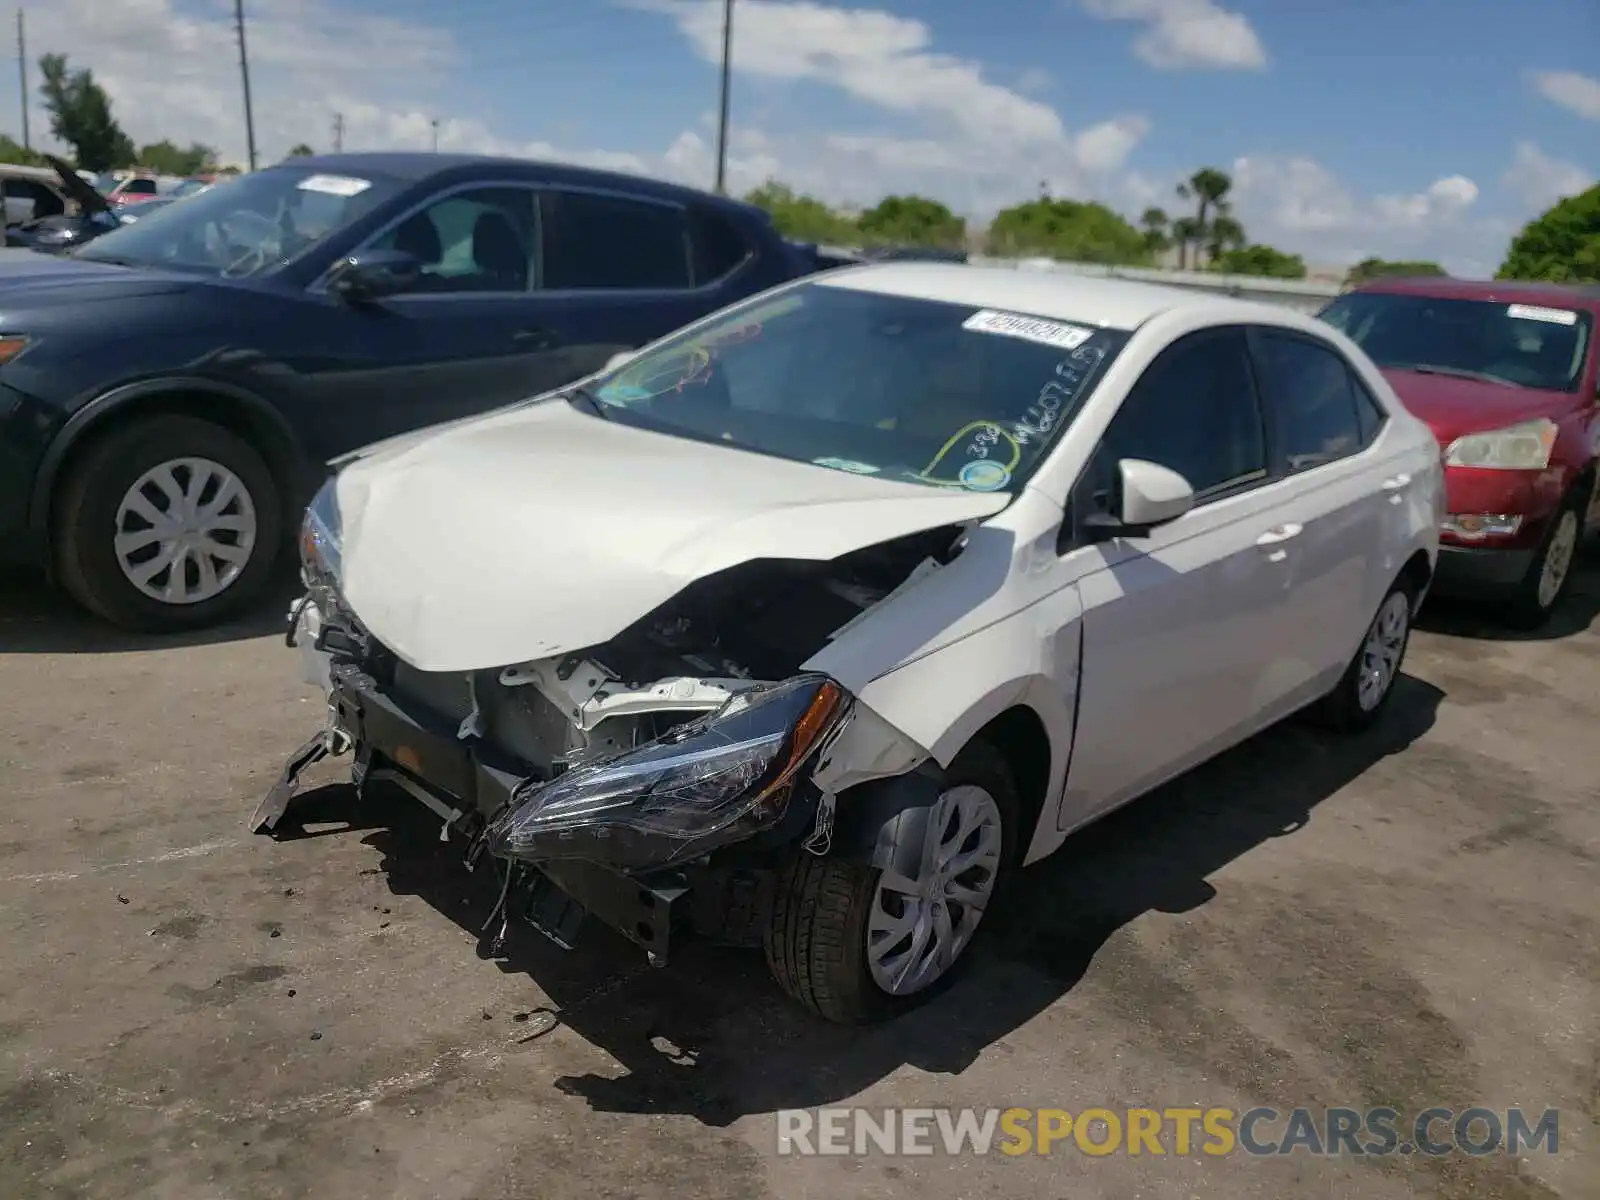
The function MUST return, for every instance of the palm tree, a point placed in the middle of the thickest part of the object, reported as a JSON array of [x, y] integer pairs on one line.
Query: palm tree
[[300, 150], [1223, 234], [1155, 223], [1208, 188], [1185, 232]]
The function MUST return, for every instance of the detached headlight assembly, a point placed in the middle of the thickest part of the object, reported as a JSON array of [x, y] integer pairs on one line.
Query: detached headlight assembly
[[721, 778], [320, 535], [1522, 447]]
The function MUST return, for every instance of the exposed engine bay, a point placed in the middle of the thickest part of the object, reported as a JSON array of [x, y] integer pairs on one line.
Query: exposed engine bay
[[754, 623]]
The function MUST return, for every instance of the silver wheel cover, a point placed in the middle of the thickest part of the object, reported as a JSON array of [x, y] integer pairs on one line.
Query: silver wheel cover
[[1381, 653], [185, 531], [919, 926], [1558, 558]]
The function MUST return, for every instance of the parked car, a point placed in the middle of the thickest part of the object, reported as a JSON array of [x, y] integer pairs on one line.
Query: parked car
[[133, 188], [1508, 377], [170, 392], [810, 622], [86, 216], [31, 193]]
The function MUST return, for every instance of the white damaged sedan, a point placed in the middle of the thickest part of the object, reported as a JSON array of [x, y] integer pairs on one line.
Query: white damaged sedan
[[805, 625]]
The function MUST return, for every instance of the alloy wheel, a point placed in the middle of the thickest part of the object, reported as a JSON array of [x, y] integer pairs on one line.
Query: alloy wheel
[[918, 927], [185, 531]]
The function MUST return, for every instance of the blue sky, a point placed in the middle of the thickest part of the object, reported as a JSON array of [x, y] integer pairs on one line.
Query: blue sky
[[1426, 127]]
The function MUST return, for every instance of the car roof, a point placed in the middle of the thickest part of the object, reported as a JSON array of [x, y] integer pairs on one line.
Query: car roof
[[1110, 303], [416, 166], [1485, 289]]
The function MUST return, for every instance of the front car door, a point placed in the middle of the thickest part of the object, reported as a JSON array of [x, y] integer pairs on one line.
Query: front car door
[[1179, 627], [468, 336], [1342, 480]]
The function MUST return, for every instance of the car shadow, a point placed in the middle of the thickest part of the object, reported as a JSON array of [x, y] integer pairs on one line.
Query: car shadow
[[1460, 617], [710, 1036], [36, 618]]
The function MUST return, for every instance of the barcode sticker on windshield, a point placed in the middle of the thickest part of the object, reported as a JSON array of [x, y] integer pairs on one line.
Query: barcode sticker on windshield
[[1050, 333], [1530, 312], [334, 185]]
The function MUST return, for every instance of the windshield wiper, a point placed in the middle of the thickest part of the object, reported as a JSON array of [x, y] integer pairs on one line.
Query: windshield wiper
[[1460, 373], [582, 399]]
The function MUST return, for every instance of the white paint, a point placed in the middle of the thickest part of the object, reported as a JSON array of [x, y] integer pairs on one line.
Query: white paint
[[197, 851]]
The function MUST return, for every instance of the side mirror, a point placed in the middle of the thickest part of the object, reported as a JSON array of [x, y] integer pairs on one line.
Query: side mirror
[[374, 274], [1149, 495]]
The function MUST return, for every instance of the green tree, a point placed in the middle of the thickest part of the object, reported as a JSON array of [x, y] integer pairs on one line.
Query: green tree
[[1157, 228], [1261, 261], [1208, 188], [1377, 268], [1559, 246], [1072, 230], [80, 115], [165, 158], [14, 152], [1222, 235], [300, 150], [911, 221], [804, 218]]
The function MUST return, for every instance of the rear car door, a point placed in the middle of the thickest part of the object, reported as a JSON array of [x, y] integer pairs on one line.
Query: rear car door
[[467, 337], [1179, 628], [619, 271], [1340, 486]]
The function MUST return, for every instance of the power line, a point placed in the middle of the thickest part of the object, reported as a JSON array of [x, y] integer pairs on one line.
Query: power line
[[244, 75], [722, 116], [338, 132], [22, 75]]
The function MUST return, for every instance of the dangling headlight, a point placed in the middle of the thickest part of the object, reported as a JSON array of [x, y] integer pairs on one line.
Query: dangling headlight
[[320, 534], [719, 779]]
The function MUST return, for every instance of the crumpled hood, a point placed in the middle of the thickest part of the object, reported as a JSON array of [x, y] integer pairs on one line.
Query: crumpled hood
[[541, 530], [1451, 406]]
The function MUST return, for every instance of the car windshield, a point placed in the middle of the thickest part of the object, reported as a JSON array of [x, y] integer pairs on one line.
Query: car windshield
[[923, 391], [245, 226], [1524, 345]]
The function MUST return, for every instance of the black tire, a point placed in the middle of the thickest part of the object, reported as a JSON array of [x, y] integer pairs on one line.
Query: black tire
[[816, 940], [1524, 610], [1341, 709], [85, 521]]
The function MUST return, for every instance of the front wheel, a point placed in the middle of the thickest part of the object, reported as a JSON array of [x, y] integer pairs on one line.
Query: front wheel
[[856, 943], [1550, 573], [166, 523], [1363, 691]]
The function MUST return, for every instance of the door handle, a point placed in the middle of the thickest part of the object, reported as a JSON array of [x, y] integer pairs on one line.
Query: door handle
[[1394, 485], [1279, 534], [537, 336]]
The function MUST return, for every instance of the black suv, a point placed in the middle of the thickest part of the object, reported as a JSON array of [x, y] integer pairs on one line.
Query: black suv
[[170, 392]]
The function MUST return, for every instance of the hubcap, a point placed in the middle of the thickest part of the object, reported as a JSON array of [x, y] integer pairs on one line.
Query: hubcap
[[919, 926], [1558, 558], [185, 531], [1380, 655]]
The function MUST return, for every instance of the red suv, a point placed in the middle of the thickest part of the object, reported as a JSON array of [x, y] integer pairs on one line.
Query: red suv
[[1506, 376]]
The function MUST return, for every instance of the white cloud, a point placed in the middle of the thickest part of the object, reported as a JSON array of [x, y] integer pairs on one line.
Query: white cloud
[[1187, 33], [1541, 180], [1297, 204], [1572, 91]]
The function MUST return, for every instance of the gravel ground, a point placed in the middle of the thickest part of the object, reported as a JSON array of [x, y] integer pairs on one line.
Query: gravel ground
[[1409, 918]]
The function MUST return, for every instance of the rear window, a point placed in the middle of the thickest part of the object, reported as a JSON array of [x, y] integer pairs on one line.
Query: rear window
[[1525, 345]]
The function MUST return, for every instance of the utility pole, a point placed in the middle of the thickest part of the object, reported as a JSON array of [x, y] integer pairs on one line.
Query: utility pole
[[722, 118], [338, 133], [435, 124], [22, 74], [244, 75]]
